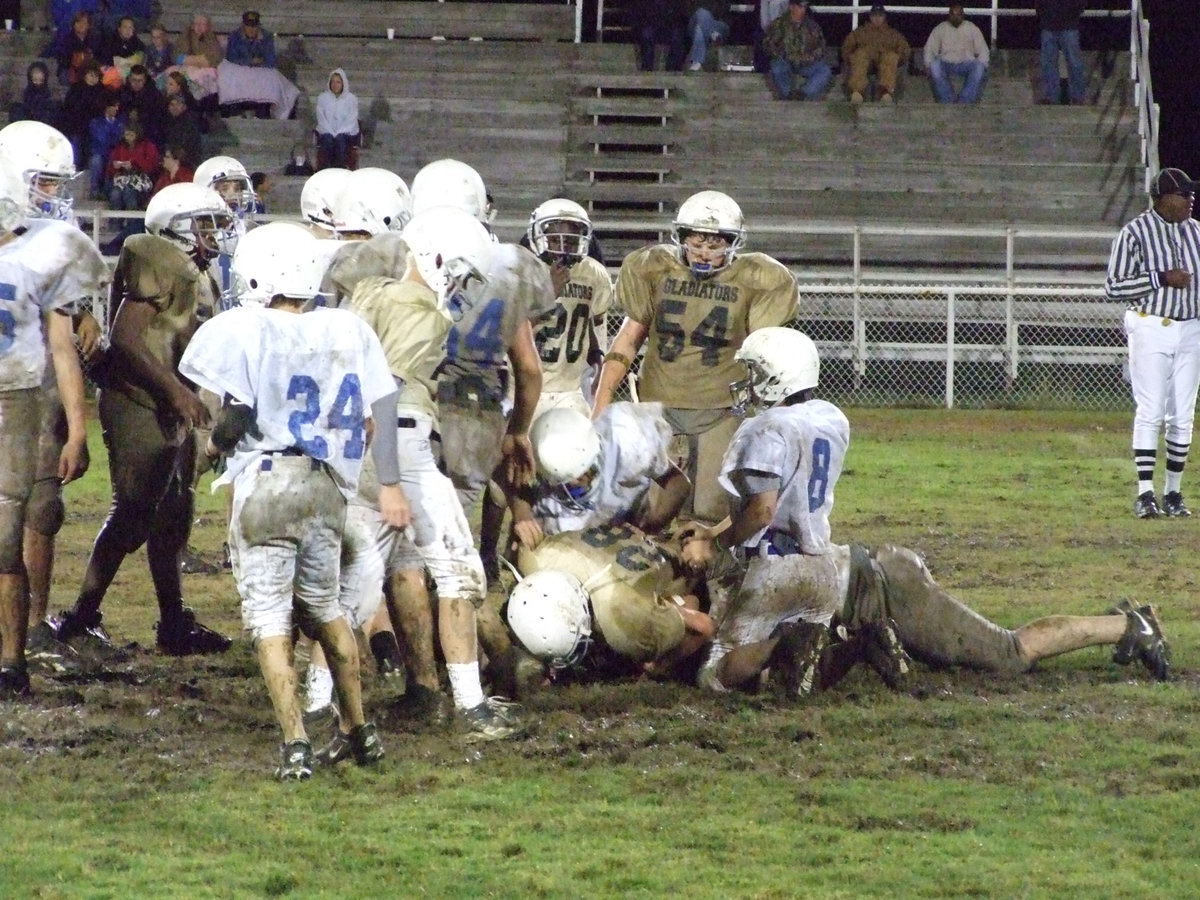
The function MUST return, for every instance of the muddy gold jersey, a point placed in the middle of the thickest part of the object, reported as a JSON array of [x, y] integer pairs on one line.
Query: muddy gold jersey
[[629, 581], [153, 270], [697, 324], [563, 336], [412, 329]]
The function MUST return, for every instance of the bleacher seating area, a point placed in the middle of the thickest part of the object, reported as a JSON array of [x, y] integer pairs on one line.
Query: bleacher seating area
[[504, 87]]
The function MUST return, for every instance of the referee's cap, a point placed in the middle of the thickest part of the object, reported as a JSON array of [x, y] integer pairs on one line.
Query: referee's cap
[[1171, 181]]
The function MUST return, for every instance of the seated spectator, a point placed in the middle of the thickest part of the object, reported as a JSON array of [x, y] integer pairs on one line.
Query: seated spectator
[[251, 45], [160, 55], [175, 169], [176, 84], [262, 184], [796, 46], [83, 102], [299, 163], [337, 122], [37, 103], [768, 12], [132, 167], [199, 54], [104, 133], [141, 12], [706, 24], [877, 46], [141, 102], [75, 48], [183, 130], [956, 49], [123, 49], [660, 23], [63, 12]]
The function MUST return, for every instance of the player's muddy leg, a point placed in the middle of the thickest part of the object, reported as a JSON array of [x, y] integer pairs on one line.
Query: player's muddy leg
[[1052, 635], [14, 617], [408, 600], [165, 545], [275, 660], [341, 650], [39, 564]]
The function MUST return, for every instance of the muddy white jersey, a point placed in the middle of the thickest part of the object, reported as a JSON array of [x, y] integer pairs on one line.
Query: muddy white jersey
[[634, 440], [50, 265], [311, 379], [563, 336], [802, 449], [517, 288]]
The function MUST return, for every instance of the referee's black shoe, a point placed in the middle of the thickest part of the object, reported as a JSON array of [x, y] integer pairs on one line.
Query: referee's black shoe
[[1145, 506], [1174, 506]]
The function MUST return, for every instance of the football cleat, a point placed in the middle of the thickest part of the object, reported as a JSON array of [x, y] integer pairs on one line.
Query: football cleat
[[186, 637], [1143, 640], [1174, 506], [485, 723], [335, 751], [14, 683], [50, 655], [192, 562], [296, 762], [362, 744], [794, 661], [422, 704], [320, 718], [1145, 506], [884, 652]]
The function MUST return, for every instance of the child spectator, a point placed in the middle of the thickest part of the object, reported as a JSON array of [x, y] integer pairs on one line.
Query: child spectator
[[160, 55], [37, 103], [84, 101], [132, 168], [299, 163], [104, 133]]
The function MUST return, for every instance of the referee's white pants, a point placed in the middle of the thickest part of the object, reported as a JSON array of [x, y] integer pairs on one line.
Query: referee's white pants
[[1164, 372]]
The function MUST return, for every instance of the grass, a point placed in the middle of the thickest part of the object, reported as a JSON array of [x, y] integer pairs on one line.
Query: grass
[[1079, 779]]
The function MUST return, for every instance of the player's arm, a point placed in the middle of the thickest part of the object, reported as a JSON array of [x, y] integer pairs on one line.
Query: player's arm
[[133, 317], [525, 525], [527, 380], [618, 361], [73, 461], [87, 330], [701, 545], [385, 451], [666, 503]]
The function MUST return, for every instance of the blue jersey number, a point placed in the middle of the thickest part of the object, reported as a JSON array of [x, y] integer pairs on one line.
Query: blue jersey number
[[8, 322], [346, 415], [484, 340], [818, 474]]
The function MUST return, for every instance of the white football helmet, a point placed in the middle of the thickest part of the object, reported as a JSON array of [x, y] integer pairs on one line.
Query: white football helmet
[[14, 197], [550, 614], [714, 213], [273, 259], [372, 200], [43, 157], [449, 248], [231, 180], [194, 216], [448, 182], [565, 444], [320, 191], [560, 229], [779, 362]]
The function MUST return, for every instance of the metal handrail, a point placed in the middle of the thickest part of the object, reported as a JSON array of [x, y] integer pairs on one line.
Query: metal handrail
[[1143, 90]]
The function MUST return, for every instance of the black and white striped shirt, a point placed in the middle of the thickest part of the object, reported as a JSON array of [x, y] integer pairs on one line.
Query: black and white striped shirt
[[1146, 248]]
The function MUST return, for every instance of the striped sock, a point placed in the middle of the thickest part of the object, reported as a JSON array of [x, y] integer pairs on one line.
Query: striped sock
[[1143, 461], [1177, 455]]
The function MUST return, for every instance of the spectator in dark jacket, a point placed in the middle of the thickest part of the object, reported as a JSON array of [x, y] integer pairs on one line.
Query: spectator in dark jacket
[[75, 48], [37, 103], [84, 101], [104, 132], [123, 48], [660, 23], [142, 102], [183, 131]]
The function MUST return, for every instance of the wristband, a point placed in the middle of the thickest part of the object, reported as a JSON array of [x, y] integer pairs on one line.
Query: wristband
[[717, 543], [613, 356]]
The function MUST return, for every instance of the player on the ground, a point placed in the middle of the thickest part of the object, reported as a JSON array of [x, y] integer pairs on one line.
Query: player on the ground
[[148, 412], [45, 267], [300, 393], [695, 301]]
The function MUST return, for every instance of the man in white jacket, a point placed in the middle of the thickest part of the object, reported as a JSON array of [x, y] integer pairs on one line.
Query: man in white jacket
[[956, 48], [337, 122]]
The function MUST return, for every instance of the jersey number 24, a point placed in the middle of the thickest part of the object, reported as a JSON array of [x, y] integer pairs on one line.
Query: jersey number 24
[[344, 414]]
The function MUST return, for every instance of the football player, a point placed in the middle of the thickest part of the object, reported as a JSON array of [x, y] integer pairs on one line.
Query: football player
[[149, 413], [45, 267], [229, 178], [44, 158], [300, 393], [692, 303]]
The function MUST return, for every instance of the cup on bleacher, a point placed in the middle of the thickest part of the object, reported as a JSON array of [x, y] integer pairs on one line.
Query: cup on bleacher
[[391, 34]]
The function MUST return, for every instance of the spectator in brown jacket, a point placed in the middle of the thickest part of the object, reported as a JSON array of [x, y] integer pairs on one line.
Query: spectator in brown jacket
[[874, 45]]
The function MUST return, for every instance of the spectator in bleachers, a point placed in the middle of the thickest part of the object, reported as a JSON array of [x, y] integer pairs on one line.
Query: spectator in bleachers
[[175, 168], [262, 184], [140, 11], [104, 133], [874, 45], [251, 45], [956, 49], [706, 24], [37, 102], [132, 168], [176, 84], [75, 48], [298, 163], [142, 102], [183, 130], [337, 121], [123, 48], [1059, 22], [160, 55], [200, 53], [83, 102], [660, 23], [63, 12], [796, 46], [768, 12]]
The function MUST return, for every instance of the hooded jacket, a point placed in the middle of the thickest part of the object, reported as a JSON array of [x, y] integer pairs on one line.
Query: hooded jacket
[[337, 113]]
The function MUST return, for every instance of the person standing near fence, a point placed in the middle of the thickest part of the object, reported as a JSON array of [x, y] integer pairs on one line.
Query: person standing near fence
[[1152, 269]]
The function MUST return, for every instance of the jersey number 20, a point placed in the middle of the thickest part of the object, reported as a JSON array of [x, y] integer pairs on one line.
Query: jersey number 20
[[345, 414]]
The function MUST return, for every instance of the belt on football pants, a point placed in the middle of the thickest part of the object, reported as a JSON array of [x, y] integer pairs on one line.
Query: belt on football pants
[[407, 422], [774, 543], [266, 464]]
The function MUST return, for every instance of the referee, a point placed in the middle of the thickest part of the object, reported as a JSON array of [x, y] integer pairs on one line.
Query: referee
[[1152, 269]]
